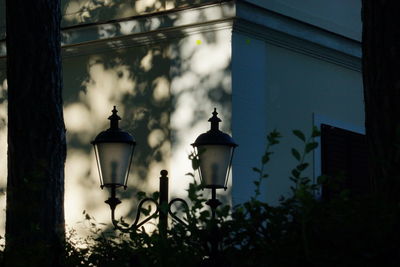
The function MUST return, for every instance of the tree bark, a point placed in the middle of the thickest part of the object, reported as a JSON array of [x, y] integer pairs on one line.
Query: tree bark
[[36, 134], [381, 66]]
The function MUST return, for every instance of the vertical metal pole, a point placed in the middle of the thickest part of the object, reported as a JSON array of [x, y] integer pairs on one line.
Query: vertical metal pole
[[214, 233], [163, 203], [113, 201], [214, 229], [214, 200]]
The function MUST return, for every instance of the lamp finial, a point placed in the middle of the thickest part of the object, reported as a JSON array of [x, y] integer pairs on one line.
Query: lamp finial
[[214, 121], [114, 118]]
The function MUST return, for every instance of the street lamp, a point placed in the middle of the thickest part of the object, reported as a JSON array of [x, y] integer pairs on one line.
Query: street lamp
[[214, 150], [114, 150]]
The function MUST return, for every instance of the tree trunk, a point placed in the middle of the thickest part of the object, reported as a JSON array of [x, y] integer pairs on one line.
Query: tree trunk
[[381, 66], [36, 135]]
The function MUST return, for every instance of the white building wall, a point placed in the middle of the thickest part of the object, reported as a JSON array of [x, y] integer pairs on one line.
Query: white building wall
[[282, 74], [339, 16], [276, 88], [300, 87], [249, 83], [165, 74], [286, 73]]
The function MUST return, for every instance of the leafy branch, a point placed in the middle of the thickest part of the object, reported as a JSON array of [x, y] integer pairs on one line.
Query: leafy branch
[[272, 139]]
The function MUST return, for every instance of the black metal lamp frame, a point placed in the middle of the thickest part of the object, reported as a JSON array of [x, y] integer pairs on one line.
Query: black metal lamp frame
[[113, 135], [163, 207], [214, 239], [113, 201]]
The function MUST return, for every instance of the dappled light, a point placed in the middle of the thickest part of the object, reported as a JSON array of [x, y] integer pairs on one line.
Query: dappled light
[[89, 10], [172, 73], [85, 11], [165, 94], [110, 82], [201, 81], [164, 88]]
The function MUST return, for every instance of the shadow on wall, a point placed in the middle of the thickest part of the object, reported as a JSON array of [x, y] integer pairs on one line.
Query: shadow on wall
[[89, 11], [106, 80], [165, 93]]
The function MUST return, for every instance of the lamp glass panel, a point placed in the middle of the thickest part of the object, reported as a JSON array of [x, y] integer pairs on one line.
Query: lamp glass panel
[[214, 163], [114, 160]]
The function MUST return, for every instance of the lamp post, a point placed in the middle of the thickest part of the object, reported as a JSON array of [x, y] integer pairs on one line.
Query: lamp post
[[114, 150], [215, 152]]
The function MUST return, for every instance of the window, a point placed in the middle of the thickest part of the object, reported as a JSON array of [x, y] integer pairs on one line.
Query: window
[[344, 160]]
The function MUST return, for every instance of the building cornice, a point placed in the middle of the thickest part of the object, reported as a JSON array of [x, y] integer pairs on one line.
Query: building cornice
[[298, 36], [143, 30], [241, 16]]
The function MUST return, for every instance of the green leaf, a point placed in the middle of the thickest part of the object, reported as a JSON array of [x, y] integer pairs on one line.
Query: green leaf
[[295, 173], [145, 211], [265, 158], [156, 195], [256, 170], [311, 146], [322, 179], [273, 137], [140, 195], [296, 154], [300, 135], [204, 215], [302, 167], [123, 223], [316, 132], [195, 163]]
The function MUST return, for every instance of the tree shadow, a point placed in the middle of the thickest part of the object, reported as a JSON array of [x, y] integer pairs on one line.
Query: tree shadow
[[165, 92], [95, 11]]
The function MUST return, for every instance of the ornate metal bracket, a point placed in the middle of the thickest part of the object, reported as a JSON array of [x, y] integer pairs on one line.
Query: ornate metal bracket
[[170, 204], [163, 208]]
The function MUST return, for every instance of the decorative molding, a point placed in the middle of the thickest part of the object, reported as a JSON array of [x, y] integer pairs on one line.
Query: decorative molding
[[243, 17], [146, 38], [297, 36], [145, 30], [142, 30]]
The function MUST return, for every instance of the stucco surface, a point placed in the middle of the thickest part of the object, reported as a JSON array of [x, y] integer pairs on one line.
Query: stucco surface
[[165, 93], [77, 12], [276, 88], [339, 16], [89, 11]]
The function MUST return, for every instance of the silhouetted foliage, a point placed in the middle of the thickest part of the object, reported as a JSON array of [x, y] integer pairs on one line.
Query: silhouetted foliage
[[300, 231]]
